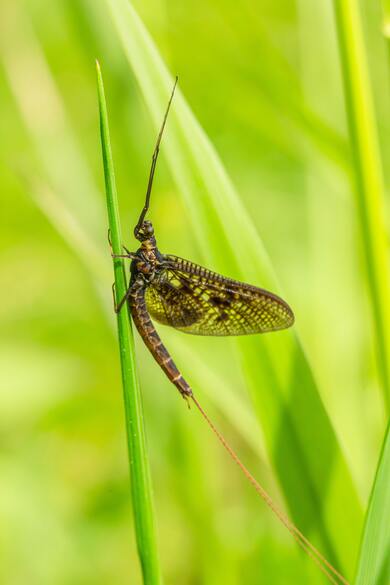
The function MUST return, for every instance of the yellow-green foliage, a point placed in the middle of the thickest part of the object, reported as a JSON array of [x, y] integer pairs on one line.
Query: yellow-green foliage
[[255, 180]]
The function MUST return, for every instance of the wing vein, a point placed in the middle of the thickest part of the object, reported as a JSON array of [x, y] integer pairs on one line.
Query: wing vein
[[197, 301]]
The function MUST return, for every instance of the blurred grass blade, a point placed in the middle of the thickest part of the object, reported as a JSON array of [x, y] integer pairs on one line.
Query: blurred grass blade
[[368, 176], [50, 128], [140, 476], [67, 212], [374, 562], [302, 445]]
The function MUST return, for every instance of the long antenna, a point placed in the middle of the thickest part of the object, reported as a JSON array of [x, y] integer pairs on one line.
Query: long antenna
[[153, 167], [329, 571]]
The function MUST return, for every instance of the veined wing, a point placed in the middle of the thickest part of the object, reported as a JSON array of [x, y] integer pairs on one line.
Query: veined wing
[[196, 300]]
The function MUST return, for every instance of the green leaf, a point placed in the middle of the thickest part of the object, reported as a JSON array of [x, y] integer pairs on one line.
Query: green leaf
[[367, 175], [141, 488], [300, 439], [374, 561]]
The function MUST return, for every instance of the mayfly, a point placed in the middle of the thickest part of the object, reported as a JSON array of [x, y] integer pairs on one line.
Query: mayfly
[[195, 300], [188, 297]]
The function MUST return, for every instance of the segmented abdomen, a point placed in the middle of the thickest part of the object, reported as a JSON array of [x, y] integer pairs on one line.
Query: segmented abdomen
[[153, 341]]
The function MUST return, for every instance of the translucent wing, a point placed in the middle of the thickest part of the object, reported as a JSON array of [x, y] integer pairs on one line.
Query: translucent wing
[[195, 300]]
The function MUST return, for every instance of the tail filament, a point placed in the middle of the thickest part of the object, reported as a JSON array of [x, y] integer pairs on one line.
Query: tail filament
[[331, 573]]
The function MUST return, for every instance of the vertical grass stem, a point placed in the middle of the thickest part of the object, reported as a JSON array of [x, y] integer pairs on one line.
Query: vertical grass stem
[[141, 488], [368, 176]]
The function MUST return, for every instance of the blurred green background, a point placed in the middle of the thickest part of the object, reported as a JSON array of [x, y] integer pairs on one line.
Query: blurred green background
[[263, 79]]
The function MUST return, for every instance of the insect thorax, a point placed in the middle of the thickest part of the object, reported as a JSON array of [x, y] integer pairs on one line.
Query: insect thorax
[[146, 260]]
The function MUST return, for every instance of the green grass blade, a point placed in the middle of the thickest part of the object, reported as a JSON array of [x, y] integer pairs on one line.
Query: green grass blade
[[368, 176], [141, 487], [82, 231], [302, 445], [374, 562]]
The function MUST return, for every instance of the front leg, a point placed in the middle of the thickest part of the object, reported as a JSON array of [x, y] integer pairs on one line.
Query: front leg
[[128, 254]]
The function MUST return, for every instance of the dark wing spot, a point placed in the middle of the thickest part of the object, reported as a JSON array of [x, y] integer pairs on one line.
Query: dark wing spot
[[222, 317], [220, 302], [189, 315]]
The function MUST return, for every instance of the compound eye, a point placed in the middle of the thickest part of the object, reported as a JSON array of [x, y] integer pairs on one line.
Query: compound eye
[[148, 228], [145, 231]]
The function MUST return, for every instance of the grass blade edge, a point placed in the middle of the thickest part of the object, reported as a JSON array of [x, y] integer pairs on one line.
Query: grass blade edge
[[141, 488], [374, 560]]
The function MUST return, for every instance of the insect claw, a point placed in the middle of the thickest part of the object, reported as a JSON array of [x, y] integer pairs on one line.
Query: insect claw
[[114, 295]]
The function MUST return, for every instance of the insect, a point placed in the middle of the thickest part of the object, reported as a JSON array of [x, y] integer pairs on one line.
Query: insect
[[188, 297], [195, 300]]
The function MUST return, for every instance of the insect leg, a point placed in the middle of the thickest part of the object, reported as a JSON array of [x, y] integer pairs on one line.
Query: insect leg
[[127, 251], [117, 307], [129, 254]]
